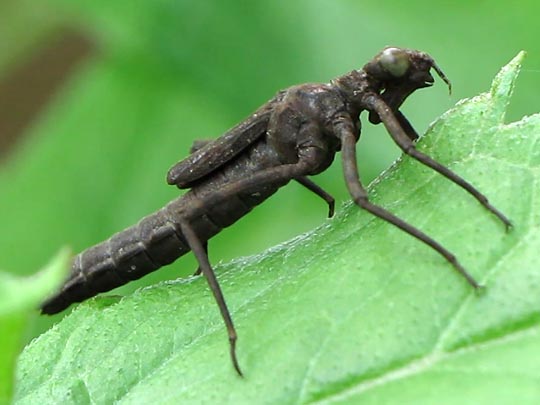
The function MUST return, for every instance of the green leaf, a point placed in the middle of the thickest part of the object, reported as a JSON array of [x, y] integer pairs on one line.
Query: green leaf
[[19, 296], [354, 311]]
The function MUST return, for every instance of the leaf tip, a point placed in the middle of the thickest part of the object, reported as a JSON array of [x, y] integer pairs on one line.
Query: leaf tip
[[504, 82]]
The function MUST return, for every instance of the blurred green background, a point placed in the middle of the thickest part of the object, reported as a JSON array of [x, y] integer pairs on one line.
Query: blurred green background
[[98, 99]]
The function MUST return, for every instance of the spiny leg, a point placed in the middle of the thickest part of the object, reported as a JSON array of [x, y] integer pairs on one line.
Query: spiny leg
[[198, 249], [310, 185], [360, 197], [402, 140]]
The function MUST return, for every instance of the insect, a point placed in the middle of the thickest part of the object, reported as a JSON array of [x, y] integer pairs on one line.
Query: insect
[[294, 135]]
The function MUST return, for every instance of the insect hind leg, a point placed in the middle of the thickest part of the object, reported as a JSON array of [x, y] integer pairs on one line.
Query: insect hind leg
[[198, 249], [199, 270], [313, 187]]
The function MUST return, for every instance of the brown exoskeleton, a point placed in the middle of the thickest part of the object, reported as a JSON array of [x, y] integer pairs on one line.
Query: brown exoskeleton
[[294, 135]]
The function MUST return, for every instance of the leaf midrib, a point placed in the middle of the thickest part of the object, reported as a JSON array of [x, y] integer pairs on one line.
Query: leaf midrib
[[417, 366], [437, 353]]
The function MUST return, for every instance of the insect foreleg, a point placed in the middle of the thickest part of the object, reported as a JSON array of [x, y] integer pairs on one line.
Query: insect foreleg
[[402, 140], [199, 251], [407, 127], [311, 186], [360, 197]]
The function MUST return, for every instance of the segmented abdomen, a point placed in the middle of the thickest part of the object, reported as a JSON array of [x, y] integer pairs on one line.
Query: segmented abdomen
[[128, 255], [157, 239]]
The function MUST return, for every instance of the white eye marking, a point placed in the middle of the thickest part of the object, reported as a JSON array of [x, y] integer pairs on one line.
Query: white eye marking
[[395, 61]]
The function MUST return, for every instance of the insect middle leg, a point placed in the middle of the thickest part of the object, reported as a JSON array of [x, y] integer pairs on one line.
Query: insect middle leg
[[360, 197], [311, 186]]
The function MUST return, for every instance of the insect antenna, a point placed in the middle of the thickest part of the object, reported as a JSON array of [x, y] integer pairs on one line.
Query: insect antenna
[[442, 76]]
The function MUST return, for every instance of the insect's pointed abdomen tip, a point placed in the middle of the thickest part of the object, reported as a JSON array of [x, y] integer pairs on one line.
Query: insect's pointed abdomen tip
[[53, 305], [45, 310]]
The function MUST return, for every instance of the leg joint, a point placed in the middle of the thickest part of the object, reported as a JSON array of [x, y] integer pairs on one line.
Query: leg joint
[[410, 149], [361, 199]]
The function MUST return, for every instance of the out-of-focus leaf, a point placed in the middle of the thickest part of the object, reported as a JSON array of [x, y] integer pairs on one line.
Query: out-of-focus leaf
[[18, 297]]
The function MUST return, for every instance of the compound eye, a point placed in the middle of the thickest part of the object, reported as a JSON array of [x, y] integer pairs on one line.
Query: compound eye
[[395, 61]]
